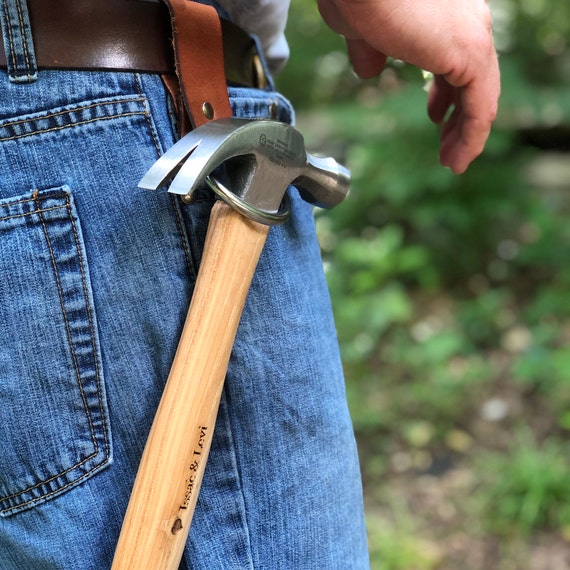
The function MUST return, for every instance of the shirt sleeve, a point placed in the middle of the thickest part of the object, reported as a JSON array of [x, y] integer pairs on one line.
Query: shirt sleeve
[[267, 20]]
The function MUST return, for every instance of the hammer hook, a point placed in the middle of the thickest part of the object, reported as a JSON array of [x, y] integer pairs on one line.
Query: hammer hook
[[248, 210]]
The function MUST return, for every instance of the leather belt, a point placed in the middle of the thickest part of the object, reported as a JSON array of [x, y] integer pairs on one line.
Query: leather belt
[[125, 35]]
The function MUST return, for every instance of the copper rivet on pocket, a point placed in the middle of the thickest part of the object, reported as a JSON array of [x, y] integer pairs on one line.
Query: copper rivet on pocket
[[208, 110], [187, 198]]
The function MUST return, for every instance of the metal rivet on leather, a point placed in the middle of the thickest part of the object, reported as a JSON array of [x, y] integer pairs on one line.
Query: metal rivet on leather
[[208, 110]]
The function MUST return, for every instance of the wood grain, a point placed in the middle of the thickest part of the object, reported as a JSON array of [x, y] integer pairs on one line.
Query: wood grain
[[164, 495]]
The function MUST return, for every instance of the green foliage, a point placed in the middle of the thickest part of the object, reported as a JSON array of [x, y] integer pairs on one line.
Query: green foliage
[[399, 548], [447, 289], [526, 488]]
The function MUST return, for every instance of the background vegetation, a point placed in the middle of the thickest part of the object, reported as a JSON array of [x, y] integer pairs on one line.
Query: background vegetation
[[452, 298]]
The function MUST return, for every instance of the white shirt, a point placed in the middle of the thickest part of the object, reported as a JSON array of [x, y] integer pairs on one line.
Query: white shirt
[[266, 19]]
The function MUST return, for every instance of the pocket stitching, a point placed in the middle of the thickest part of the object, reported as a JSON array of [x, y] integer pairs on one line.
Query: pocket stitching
[[73, 109], [14, 216], [78, 123], [71, 124], [104, 419]]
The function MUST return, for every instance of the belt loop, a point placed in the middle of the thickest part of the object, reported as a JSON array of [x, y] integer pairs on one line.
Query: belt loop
[[18, 42]]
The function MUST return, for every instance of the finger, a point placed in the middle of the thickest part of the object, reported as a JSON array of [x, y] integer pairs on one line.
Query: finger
[[464, 135], [440, 99], [462, 140]]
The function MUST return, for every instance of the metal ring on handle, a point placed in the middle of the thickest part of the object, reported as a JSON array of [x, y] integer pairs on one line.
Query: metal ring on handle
[[249, 211]]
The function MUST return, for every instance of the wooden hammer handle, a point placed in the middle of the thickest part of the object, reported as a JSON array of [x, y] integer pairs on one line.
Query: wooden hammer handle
[[164, 495]]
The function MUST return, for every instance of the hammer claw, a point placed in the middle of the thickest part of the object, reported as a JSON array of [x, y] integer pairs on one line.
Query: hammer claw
[[169, 163], [213, 134], [205, 159], [274, 156], [210, 145]]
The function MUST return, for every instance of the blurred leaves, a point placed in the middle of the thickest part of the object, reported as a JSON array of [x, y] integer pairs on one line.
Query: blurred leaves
[[526, 488], [452, 294]]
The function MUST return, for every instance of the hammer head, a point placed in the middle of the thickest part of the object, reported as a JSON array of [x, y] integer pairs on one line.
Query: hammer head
[[263, 158]]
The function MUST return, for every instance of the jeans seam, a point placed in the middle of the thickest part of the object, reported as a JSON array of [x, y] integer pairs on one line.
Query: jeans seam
[[74, 110], [51, 493], [39, 211], [24, 41], [147, 114], [10, 36], [78, 123], [175, 207], [235, 460], [21, 201], [183, 237], [20, 44], [91, 326]]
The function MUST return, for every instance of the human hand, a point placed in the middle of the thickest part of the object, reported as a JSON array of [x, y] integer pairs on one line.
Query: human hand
[[450, 38]]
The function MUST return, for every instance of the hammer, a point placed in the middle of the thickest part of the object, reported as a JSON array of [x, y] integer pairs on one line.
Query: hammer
[[262, 158]]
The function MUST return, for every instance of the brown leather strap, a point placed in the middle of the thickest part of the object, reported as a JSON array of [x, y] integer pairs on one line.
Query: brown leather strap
[[172, 85], [199, 57], [130, 35]]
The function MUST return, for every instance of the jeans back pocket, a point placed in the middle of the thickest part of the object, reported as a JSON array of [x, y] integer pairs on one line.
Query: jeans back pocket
[[55, 429]]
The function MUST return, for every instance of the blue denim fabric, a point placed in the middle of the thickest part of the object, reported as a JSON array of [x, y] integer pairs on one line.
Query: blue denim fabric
[[95, 280], [18, 41]]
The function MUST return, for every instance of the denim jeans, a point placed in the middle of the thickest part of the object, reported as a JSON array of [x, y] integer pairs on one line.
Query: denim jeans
[[95, 279]]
